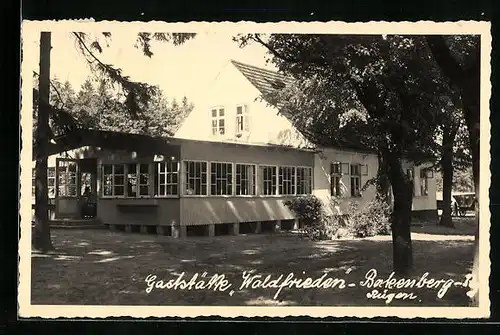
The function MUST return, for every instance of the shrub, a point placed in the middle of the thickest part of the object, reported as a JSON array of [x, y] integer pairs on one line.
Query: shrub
[[308, 209], [371, 221], [322, 223]]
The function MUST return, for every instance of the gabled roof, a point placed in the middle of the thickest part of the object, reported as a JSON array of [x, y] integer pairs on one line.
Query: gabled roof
[[264, 80]]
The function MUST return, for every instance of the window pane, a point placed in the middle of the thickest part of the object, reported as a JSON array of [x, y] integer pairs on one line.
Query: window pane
[[107, 169], [119, 190], [132, 168], [144, 168], [214, 112], [119, 180], [144, 190], [221, 112], [144, 179], [119, 169]]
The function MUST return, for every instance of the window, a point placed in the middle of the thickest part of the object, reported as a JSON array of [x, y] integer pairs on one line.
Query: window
[[221, 181], [113, 179], [245, 179], [410, 173], [424, 182], [67, 179], [268, 174], [286, 180], [166, 178], [196, 178], [137, 180], [218, 122], [355, 180], [241, 119], [51, 181], [304, 178], [336, 179]]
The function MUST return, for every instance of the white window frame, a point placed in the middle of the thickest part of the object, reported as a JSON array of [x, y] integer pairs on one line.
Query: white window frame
[[166, 172], [229, 181], [53, 178], [185, 178], [138, 180], [242, 119], [293, 180], [66, 185], [310, 182], [262, 182], [49, 178], [113, 185], [217, 118], [254, 179]]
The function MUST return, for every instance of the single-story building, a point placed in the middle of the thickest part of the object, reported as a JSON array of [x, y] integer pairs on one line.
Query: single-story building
[[175, 185]]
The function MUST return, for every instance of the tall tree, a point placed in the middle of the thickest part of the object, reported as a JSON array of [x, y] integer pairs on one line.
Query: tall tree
[[137, 96], [380, 91], [459, 59], [42, 240]]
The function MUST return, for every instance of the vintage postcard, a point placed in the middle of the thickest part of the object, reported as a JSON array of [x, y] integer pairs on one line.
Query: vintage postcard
[[257, 170]]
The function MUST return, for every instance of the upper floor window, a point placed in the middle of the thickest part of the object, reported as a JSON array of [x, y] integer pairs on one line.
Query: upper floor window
[[241, 119], [218, 121]]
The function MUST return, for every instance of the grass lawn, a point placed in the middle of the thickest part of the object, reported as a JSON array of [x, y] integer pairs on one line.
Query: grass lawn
[[100, 267]]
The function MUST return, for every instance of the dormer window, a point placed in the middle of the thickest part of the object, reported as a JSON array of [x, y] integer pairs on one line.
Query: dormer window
[[241, 119], [218, 121]]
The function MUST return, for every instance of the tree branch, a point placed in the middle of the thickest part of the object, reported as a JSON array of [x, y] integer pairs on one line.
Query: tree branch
[[445, 60], [55, 88]]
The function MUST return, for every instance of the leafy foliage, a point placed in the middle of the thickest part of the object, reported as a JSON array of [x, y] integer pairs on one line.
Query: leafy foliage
[[307, 208], [98, 106], [323, 224], [137, 94], [373, 220], [462, 181]]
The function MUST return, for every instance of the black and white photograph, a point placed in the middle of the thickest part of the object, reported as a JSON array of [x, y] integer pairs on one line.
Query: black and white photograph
[[255, 169]]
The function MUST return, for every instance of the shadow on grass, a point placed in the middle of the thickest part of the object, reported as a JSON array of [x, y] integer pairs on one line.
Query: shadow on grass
[[109, 268]]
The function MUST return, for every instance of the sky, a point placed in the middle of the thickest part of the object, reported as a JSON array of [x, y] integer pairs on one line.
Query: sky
[[179, 71]]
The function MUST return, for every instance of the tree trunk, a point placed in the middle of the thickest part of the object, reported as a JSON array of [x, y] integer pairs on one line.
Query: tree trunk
[[474, 138], [470, 85], [447, 170], [401, 217], [41, 234]]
